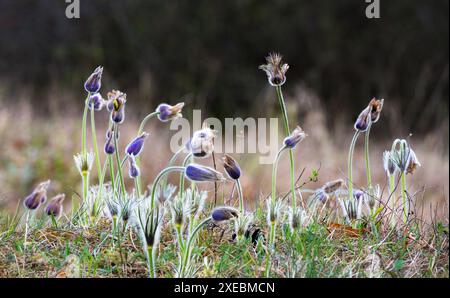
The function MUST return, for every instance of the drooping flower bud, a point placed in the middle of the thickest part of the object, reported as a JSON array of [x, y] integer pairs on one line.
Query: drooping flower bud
[[404, 157], [275, 69], [364, 119], [109, 144], [96, 102], [135, 147], [332, 186], [224, 213], [199, 173], [413, 162], [388, 164], [168, 112], [94, 82], [231, 167], [133, 169], [55, 207], [37, 197], [295, 137]]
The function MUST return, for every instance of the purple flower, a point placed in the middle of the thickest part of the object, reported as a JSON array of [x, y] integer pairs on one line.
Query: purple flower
[[54, 207], [94, 82], [96, 102], [364, 119], [224, 213], [37, 197], [231, 167], [116, 105], [201, 173], [109, 144], [136, 146], [133, 169], [295, 137], [168, 112]]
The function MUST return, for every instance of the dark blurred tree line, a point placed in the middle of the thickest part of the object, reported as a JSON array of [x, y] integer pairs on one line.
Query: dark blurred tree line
[[209, 52]]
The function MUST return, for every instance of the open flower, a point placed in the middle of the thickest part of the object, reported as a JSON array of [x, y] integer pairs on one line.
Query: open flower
[[199, 173], [94, 82], [224, 213], [135, 147], [296, 136], [55, 207], [167, 112], [275, 69], [201, 145], [116, 105], [231, 167], [37, 197]]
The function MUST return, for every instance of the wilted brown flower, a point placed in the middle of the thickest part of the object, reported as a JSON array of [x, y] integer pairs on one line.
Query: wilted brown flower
[[275, 69]]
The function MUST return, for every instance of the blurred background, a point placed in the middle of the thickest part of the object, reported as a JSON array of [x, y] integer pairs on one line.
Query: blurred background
[[206, 53]]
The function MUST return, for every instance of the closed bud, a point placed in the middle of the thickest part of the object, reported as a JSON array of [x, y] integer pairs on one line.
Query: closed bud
[[55, 207], [199, 173], [295, 137], [37, 197], [135, 147], [231, 167], [364, 119], [94, 82], [167, 112], [133, 169], [201, 145], [332, 186], [224, 213], [96, 102]]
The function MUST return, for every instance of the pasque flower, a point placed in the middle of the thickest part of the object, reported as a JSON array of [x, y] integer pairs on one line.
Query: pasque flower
[[224, 213], [37, 197], [231, 167], [116, 105], [96, 101], [199, 173], [295, 137], [275, 69], [133, 169], [167, 112], [201, 145], [94, 82], [55, 207], [109, 144], [388, 164], [375, 109], [135, 147]]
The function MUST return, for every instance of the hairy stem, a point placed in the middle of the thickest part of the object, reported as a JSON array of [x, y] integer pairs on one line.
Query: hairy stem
[[350, 165], [274, 175], [367, 158], [159, 177], [404, 198]]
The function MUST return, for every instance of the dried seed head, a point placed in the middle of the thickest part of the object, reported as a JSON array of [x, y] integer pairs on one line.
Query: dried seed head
[[201, 144], [94, 82], [84, 163], [231, 167], [168, 112], [37, 197], [295, 137], [135, 147], [224, 213], [375, 109], [199, 173], [332, 186], [275, 69], [55, 207]]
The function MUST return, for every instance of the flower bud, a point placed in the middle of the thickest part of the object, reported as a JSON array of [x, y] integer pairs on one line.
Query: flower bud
[[364, 119], [223, 214], [37, 197], [231, 167], [202, 143], [376, 107], [109, 144], [96, 102], [94, 82], [116, 105], [135, 147], [199, 173], [413, 162], [388, 164], [168, 112], [133, 169], [295, 137], [54, 207], [333, 186]]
